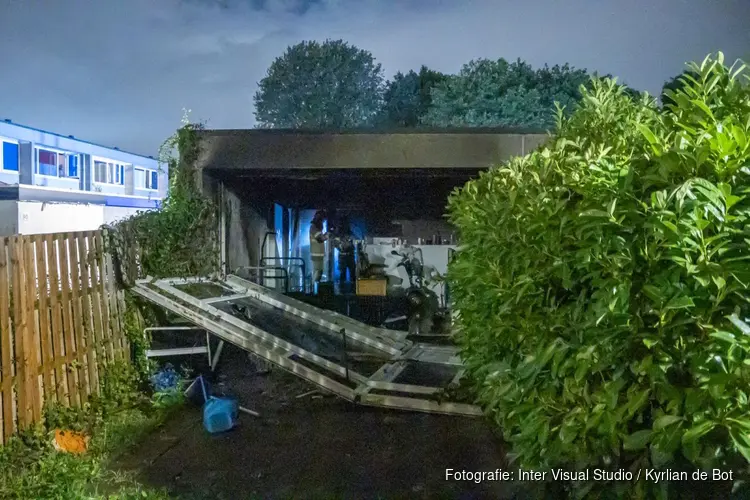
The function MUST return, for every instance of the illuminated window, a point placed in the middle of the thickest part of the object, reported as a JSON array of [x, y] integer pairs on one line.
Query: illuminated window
[[109, 172], [56, 163], [146, 179]]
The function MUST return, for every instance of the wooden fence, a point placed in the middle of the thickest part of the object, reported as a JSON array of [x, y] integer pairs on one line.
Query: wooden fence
[[60, 323]]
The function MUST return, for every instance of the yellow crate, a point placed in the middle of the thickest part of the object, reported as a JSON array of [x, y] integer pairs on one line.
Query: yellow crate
[[371, 287]]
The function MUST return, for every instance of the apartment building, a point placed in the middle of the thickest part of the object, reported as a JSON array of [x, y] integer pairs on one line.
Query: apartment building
[[53, 183]]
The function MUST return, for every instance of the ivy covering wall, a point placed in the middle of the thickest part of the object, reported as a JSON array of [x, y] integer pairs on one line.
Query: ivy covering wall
[[178, 241], [181, 239]]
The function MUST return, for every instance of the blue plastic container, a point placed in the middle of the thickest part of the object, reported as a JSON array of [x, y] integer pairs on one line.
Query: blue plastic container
[[219, 414]]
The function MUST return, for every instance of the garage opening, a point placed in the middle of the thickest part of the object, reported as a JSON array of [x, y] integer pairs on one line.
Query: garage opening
[[386, 190]]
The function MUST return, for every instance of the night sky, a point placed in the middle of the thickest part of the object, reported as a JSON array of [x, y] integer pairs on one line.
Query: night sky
[[119, 72]]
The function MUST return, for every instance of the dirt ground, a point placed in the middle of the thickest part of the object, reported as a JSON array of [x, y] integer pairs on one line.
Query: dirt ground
[[316, 447]]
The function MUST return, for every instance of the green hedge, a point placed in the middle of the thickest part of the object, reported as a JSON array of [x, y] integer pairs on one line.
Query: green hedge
[[598, 281]]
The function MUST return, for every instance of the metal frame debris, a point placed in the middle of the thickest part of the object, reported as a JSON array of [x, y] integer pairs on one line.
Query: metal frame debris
[[378, 389], [178, 351]]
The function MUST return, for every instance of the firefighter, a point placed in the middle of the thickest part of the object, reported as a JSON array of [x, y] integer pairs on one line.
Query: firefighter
[[345, 244], [317, 245]]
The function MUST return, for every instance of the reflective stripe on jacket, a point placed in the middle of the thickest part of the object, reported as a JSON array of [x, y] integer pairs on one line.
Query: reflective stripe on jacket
[[317, 243]]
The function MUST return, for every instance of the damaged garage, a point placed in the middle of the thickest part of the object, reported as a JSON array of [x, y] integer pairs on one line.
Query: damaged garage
[[390, 188], [379, 335]]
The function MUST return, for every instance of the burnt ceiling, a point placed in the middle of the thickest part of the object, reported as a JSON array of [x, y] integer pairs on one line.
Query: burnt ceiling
[[386, 193]]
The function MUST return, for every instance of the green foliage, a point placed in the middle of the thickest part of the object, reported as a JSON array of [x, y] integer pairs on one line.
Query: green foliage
[[674, 84], [172, 398], [498, 93], [179, 240], [117, 419], [408, 97], [38, 471], [119, 388], [41, 473], [58, 416], [134, 324], [320, 85], [127, 415], [600, 280], [123, 430]]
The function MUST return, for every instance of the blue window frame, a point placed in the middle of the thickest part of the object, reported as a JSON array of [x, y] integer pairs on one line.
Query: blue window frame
[[10, 156], [154, 180], [72, 166]]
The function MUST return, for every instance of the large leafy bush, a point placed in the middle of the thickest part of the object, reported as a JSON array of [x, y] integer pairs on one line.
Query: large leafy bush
[[599, 281]]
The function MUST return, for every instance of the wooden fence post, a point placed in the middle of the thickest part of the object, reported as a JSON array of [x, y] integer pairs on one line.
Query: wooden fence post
[[62, 387], [73, 344], [33, 345], [45, 331], [20, 330], [8, 426]]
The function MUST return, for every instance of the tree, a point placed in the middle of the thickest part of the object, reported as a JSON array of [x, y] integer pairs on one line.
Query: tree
[[408, 97], [320, 85], [676, 84], [499, 93]]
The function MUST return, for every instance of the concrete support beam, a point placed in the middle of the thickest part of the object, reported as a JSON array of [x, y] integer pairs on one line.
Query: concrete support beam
[[129, 180], [234, 150], [26, 162], [87, 172]]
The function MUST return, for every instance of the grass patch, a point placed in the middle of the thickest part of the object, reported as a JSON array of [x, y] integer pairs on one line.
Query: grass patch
[[31, 468]]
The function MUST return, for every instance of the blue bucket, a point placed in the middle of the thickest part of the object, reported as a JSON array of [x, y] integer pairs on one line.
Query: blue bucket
[[219, 414]]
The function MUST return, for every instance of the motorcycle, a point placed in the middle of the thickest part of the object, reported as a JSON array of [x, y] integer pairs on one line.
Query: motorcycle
[[421, 306]]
